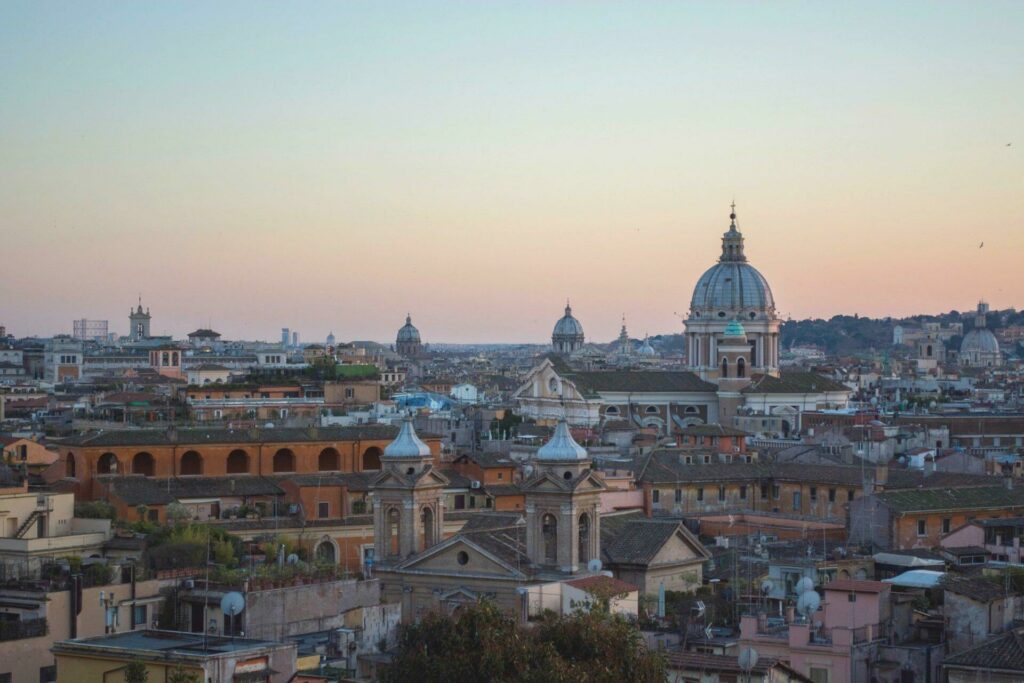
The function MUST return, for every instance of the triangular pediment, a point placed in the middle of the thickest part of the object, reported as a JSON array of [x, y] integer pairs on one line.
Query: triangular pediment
[[459, 555], [589, 482], [545, 481], [682, 546]]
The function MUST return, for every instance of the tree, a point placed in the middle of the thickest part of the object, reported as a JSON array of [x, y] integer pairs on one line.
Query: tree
[[482, 643], [136, 672], [178, 513], [179, 675]]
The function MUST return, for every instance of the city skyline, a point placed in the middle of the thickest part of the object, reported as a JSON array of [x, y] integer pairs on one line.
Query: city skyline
[[334, 169]]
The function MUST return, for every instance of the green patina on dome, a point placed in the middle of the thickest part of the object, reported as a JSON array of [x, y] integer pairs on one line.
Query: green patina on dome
[[735, 329]]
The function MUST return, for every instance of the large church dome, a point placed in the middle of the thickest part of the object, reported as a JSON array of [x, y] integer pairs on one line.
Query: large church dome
[[732, 288], [567, 325], [408, 333]]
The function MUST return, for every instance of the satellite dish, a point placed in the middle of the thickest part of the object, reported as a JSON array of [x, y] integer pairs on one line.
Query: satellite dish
[[232, 603], [748, 659], [767, 586], [594, 565], [808, 603], [804, 585], [293, 559]]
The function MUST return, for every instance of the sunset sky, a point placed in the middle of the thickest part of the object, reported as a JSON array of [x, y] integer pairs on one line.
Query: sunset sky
[[331, 166]]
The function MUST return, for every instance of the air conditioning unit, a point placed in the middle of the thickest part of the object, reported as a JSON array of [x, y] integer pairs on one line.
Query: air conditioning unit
[[474, 484]]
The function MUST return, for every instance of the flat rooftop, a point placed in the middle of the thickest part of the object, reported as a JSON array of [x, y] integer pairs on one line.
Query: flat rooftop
[[190, 644]]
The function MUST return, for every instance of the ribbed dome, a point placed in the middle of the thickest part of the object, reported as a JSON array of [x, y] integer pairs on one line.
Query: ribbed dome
[[567, 325], [562, 446], [646, 349], [732, 287], [407, 444], [408, 333], [979, 341]]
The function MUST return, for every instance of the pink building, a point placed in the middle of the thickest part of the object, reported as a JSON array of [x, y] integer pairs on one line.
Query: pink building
[[838, 643]]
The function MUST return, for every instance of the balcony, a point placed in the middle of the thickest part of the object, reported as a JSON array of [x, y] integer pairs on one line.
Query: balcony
[[28, 628]]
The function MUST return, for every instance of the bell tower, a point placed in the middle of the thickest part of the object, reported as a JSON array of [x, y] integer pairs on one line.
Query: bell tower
[[563, 523], [734, 365], [408, 511], [138, 323]]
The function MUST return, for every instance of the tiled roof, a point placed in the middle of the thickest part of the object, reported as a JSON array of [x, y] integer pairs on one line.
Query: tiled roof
[[975, 587], [963, 498], [602, 583], [793, 383], [138, 490], [1004, 653], [712, 430], [633, 539], [668, 466], [592, 383], [195, 437]]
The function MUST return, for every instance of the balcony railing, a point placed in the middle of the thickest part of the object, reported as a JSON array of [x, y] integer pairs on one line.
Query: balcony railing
[[29, 628]]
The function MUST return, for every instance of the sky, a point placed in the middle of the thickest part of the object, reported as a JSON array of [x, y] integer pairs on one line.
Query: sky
[[332, 166]]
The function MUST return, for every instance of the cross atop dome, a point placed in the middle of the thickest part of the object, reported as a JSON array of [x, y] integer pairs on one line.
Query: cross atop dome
[[732, 241]]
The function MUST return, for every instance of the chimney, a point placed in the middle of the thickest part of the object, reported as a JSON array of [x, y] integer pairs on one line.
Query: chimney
[[881, 476]]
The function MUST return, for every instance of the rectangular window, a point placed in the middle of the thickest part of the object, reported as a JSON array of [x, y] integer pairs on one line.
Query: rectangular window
[[139, 615], [721, 493], [323, 510], [776, 491], [679, 495], [707, 459], [831, 495], [796, 501], [700, 493], [945, 525], [48, 674], [921, 528], [818, 675], [849, 495], [501, 475], [472, 501], [764, 491], [655, 496], [743, 493], [851, 597], [5, 678], [814, 494], [460, 502]]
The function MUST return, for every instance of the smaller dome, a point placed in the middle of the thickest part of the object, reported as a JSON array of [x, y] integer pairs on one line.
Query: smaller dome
[[562, 446], [646, 349], [408, 333], [979, 340], [407, 444], [567, 325], [735, 329]]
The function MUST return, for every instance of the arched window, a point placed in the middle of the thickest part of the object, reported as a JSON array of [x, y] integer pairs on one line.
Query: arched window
[[553, 385], [325, 552], [725, 367], [191, 463], [391, 533], [330, 460], [611, 410], [741, 368], [143, 464], [238, 462], [371, 458], [651, 410], [284, 461], [107, 464], [165, 358], [549, 534], [427, 520], [174, 359], [584, 541], [69, 466]]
